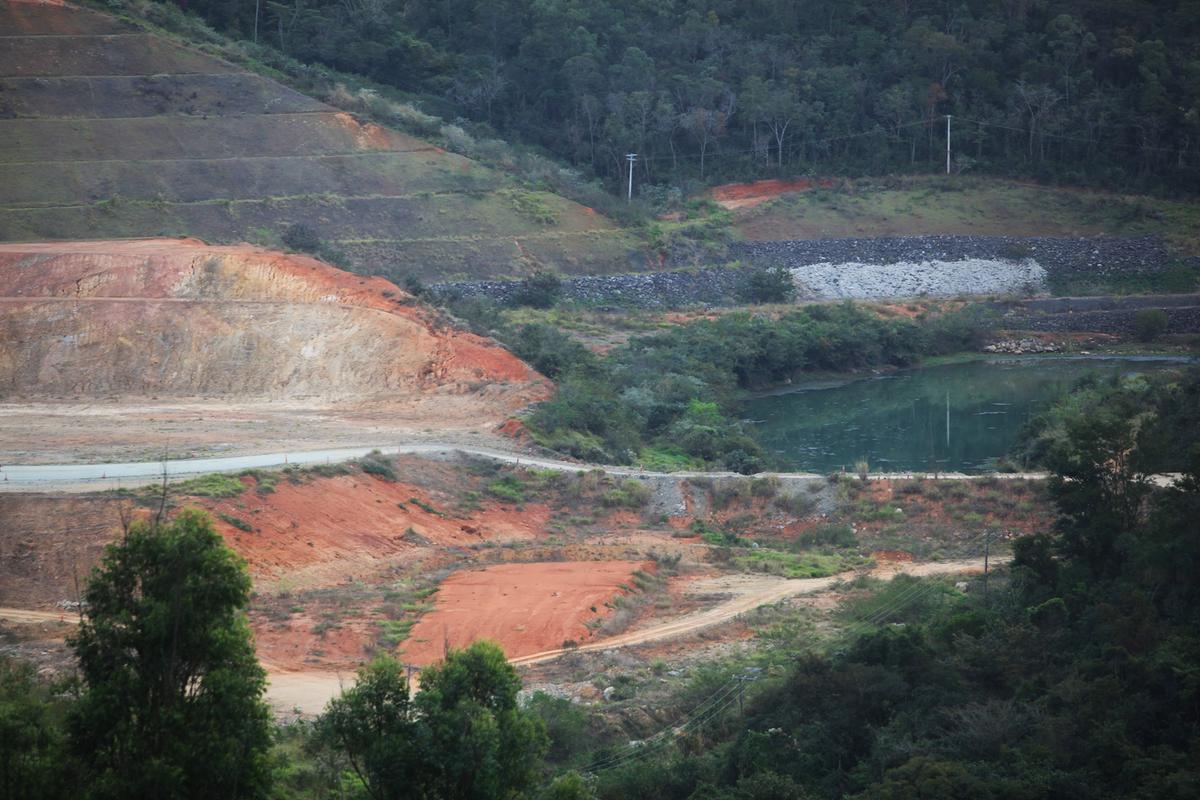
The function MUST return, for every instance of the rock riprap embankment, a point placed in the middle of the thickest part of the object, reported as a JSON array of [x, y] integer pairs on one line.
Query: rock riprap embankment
[[894, 266], [972, 276]]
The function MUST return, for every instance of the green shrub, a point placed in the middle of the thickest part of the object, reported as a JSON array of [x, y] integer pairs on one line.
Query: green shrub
[[767, 285], [508, 488], [237, 522], [540, 290], [302, 237], [765, 486], [377, 464], [1149, 324]]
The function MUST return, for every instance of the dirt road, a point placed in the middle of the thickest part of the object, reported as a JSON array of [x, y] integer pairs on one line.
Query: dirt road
[[308, 692], [23, 616]]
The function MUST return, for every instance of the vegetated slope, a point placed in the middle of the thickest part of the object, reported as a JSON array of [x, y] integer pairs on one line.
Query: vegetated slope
[[965, 205], [109, 131]]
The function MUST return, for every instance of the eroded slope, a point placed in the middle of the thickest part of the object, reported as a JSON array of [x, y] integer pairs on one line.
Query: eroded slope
[[189, 345]]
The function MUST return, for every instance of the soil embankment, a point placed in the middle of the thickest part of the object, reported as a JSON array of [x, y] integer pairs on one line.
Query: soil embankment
[[176, 344]]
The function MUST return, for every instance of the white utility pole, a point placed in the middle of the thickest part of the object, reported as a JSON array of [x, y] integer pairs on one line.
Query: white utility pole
[[947, 144], [631, 158]]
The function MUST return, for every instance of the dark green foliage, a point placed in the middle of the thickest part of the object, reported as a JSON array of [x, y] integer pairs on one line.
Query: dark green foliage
[[1149, 324], [237, 522], [680, 390], [34, 764], [302, 237], [377, 464], [461, 738], [1072, 678], [540, 290], [767, 285], [172, 702], [550, 351], [1082, 92], [414, 285]]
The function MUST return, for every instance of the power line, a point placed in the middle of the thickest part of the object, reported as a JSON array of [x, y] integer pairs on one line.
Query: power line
[[733, 690]]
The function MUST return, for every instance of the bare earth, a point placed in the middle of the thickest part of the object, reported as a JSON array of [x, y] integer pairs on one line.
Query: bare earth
[[127, 350]]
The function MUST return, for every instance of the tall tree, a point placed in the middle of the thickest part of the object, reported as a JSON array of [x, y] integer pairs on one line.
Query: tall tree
[[172, 705], [461, 738]]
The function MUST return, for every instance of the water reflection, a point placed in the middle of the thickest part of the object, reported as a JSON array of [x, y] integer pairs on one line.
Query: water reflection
[[959, 417]]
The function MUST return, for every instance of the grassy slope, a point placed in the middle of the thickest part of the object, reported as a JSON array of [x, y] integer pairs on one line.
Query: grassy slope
[[968, 205], [181, 143]]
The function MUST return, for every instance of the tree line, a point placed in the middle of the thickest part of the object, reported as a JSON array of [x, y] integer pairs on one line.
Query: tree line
[[1078, 91], [1074, 676]]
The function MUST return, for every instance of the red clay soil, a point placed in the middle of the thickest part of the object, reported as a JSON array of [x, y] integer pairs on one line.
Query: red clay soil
[[748, 195], [315, 534], [526, 608], [142, 273], [332, 529]]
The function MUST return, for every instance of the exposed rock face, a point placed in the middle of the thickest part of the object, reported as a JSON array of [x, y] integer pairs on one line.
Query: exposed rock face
[[179, 319]]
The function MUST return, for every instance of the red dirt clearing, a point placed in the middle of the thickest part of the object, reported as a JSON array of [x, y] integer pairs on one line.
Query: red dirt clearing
[[748, 195], [527, 608], [322, 532]]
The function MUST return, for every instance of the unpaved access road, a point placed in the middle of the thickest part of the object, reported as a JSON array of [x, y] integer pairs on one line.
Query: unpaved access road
[[307, 692]]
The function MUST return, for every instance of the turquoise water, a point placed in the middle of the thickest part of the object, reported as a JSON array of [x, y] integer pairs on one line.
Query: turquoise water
[[957, 417]]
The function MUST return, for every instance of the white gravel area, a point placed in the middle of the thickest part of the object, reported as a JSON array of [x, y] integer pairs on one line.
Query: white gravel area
[[975, 276]]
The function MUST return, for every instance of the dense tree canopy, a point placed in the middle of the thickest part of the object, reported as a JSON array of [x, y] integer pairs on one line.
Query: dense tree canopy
[[172, 704], [1079, 90], [1075, 678], [462, 737]]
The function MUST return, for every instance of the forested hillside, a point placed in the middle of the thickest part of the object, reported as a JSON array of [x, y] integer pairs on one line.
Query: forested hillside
[[1083, 91]]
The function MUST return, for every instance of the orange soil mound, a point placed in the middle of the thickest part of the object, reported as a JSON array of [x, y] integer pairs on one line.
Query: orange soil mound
[[527, 608], [330, 529], [178, 318], [747, 195]]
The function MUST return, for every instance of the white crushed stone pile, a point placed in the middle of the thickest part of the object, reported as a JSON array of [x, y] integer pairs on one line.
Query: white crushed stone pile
[[974, 276]]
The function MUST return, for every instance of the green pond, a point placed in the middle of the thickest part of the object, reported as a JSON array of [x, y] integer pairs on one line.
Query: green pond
[[956, 417]]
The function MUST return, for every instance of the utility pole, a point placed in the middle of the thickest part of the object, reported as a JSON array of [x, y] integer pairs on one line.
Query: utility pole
[[987, 551], [257, 3], [631, 158], [947, 144]]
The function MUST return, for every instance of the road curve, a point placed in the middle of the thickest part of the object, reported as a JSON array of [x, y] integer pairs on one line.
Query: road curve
[[736, 606], [309, 691]]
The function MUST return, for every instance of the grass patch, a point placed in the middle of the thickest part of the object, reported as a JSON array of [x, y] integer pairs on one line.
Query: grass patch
[[508, 488], [215, 484], [790, 565]]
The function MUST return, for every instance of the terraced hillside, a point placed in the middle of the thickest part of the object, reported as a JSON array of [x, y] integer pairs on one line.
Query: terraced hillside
[[108, 131]]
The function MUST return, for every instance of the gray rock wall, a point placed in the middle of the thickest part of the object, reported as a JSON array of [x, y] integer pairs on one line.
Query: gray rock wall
[[1059, 257]]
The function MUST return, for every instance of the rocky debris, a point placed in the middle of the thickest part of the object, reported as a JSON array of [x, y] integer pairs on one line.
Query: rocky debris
[[1121, 322], [972, 276], [1094, 256], [1021, 346], [893, 266]]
